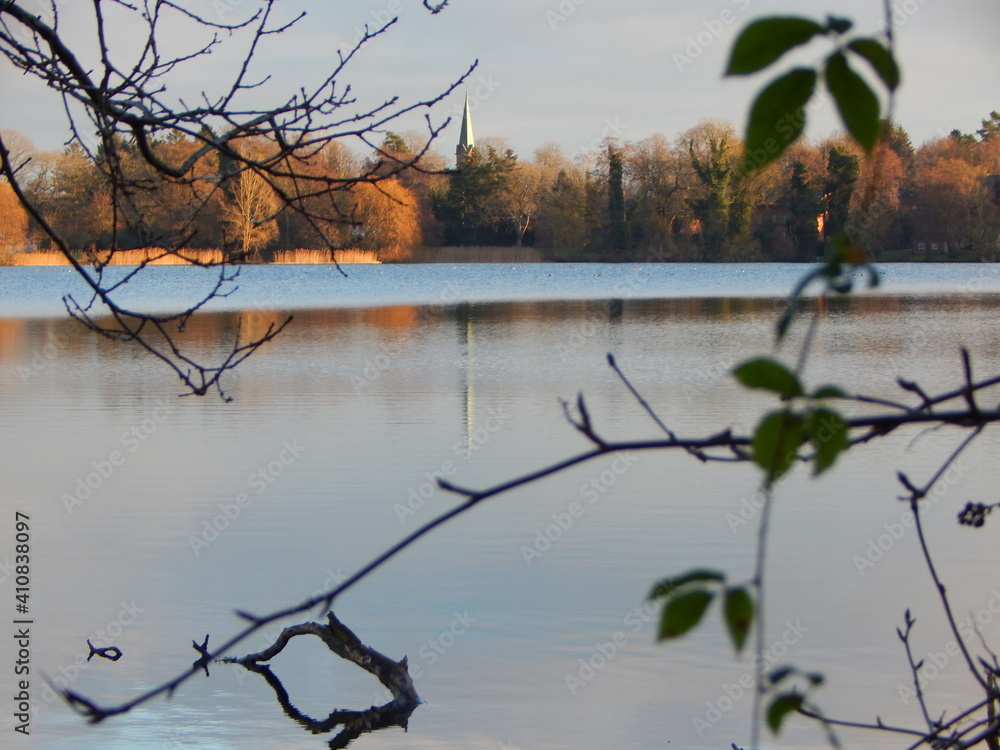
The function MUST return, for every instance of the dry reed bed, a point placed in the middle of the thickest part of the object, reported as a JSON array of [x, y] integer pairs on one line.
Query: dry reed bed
[[160, 257], [346, 257], [154, 256], [38, 258]]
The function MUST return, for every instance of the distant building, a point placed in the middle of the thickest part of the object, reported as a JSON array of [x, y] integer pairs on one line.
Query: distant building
[[466, 141]]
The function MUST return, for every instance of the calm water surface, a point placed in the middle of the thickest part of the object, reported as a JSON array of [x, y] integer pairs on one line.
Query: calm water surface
[[40, 291], [336, 434]]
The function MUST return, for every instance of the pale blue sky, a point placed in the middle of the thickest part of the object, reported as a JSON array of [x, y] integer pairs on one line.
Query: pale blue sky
[[573, 71]]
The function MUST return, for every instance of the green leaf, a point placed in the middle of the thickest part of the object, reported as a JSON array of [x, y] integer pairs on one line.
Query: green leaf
[[839, 25], [856, 102], [770, 375], [873, 277], [781, 327], [668, 586], [777, 117], [738, 611], [683, 613], [780, 707], [842, 284], [776, 442], [829, 435], [880, 58], [792, 303], [779, 674], [843, 260], [829, 391], [766, 39]]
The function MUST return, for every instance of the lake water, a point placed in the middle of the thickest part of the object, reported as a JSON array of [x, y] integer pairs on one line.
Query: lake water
[[399, 374]]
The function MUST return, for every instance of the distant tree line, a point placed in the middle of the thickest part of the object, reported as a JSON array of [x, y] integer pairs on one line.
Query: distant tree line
[[654, 199]]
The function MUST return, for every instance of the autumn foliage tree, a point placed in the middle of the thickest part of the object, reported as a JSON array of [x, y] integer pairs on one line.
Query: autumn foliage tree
[[424, 176], [956, 199], [251, 216], [13, 221], [875, 207], [387, 220], [519, 198], [660, 214]]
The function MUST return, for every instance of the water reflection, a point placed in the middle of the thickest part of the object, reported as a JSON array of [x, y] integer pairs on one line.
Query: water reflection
[[394, 676], [354, 723], [381, 401]]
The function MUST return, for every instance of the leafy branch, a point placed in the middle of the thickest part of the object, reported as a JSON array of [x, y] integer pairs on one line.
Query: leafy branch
[[778, 114]]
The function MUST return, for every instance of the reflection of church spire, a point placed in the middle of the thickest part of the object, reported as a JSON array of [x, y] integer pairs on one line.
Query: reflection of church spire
[[466, 142], [470, 380]]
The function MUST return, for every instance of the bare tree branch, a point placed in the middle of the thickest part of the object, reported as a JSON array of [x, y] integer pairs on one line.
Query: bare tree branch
[[126, 104]]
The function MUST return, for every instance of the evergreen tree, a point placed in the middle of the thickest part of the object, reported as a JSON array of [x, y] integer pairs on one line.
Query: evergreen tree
[[965, 139], [714, 169], [843, 170], [396, 144], [990, 128], [898, 141], [805, 205], [618, 222], [470, 208]]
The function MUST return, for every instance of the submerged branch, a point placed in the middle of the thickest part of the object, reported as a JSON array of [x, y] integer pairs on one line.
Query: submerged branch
[[342, 641], [394, 675]]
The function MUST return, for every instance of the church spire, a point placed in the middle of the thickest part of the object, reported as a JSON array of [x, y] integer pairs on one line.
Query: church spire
[[466, 141]]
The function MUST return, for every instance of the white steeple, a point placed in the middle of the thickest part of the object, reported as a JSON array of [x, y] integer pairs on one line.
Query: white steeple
[[466, 141]]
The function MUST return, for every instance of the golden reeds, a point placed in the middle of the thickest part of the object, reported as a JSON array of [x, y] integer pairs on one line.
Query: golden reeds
[[156, 256], [161, 257], [303, 256], [38, 258]]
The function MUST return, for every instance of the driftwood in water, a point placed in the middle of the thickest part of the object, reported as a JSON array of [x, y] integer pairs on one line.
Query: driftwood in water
[[342, 641]]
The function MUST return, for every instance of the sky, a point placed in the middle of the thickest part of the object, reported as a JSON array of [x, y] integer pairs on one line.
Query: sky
[[570, 72]]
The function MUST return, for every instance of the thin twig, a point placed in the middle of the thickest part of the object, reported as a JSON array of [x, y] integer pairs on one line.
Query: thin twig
[[638, 397], [914, 500], [904, 636], [758, 582]]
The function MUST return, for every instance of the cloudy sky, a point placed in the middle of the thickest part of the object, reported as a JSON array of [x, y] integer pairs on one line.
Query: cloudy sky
[[574, 71]]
